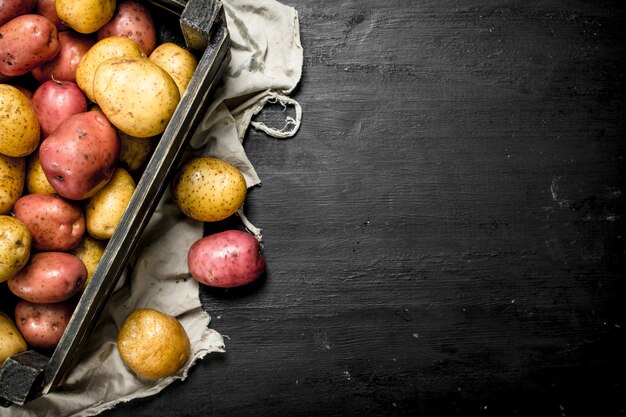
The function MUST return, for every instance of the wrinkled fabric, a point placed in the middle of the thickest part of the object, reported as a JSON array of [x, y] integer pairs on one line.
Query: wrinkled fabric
[[265, 66]]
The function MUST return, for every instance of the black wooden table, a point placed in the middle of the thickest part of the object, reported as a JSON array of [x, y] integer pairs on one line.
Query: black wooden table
[[445, 234]]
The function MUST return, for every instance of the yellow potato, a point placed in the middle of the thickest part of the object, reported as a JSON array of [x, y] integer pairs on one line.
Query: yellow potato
[[11, 340], [12, 174], [209, 189], [19, 126], [177, 61], [105, 209], [15, 242], [153, 344], [85, 16], [89, 250], [135, 152], [36, 181], [136, 95], [107, 48]]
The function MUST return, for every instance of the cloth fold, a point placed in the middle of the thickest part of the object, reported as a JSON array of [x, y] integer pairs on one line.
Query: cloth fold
[[266, 64]]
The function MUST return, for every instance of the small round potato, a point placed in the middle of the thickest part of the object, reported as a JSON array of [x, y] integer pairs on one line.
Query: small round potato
[[136, 95], [107, 48], [36, 181], [12, 177], [49, 277], [14, 246], [134, 20], [43, 325], [106, 208], [11, 340], [85, 16], [177, 61], [153, 344], [89, 250], [19, 130], [209, 189], [55, 224]]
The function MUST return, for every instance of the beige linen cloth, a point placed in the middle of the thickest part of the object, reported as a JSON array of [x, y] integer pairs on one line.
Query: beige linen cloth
[[265, 66]]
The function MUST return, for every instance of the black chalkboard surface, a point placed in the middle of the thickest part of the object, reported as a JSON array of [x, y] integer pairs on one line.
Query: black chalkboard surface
[[445, 234]]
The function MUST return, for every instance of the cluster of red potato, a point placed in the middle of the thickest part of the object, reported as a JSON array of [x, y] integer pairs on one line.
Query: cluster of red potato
[[84, 94]]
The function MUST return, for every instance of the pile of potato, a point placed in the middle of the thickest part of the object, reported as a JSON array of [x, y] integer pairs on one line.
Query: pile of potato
[[85, 92]]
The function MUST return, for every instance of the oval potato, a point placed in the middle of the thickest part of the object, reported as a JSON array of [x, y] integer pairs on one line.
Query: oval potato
[[136, 95], [85, 16], [19, 130], [89, 250], [135, 152], [36, 181], [177, 61], [15, 243], [12, 177], [11, 340], [107, 48], [49, 277], [72, 47], [134, 20], [208, 189], [106, 208], [43, 325]]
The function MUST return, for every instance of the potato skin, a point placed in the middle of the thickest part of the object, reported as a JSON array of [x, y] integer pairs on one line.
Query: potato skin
[[72, 47], [10, 9], [133, 20], [54, 101], [36, 181], [106, 208], [43, 325], [136, 95], [55, 224], [26, 42], [85, 16], [177, 61], [15, 244], [135, 152], [89, 250], [47, 8], [49, 277], [11, 340], [19, 130], [12, 177], [226, 259], [208, 189], [79, 157]]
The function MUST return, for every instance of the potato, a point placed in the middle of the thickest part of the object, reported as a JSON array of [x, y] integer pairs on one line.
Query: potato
[[85, 16], [47, 8], [14, 246], [135, 152], [13, 8], [105, 209], [43, 325], [26, 42], [89, 250], [19, 127], [153, 344], [136, 95], [133, 20], [177, 61], [49, 277], [79, 157], [55, 224], [111, 47], [72, 47], [36, 181], [226, 259], [12, 177], [208, 189], [54, 101], [11, 340]]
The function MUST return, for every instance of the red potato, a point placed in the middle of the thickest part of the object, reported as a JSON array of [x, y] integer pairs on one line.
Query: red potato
[[55, 101], [226, 259], [133, 20], [43, 325], [46, 8], [26, 42], [72, 47], [49, 277], [55, 224], [79, 157], [13, 8]]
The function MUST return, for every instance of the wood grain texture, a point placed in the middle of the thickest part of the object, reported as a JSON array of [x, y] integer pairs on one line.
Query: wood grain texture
[[445, 234]]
